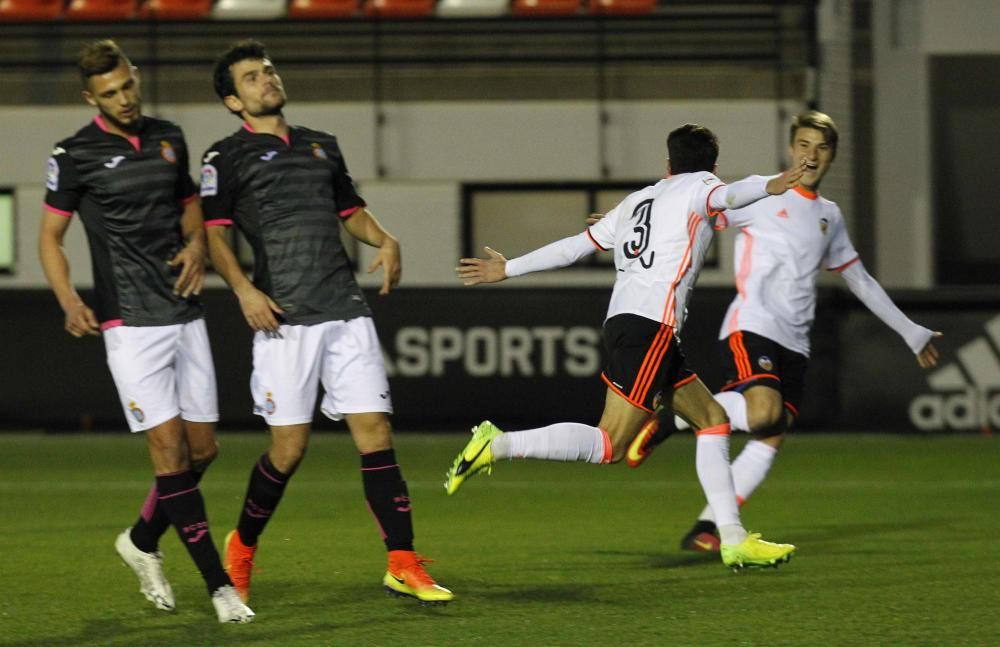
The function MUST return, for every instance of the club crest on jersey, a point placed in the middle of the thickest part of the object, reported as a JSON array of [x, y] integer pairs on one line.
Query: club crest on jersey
[[209, 181], [318, 152], [52, 175], [824, 224], [765, 362], [167, 151], [136, 412]]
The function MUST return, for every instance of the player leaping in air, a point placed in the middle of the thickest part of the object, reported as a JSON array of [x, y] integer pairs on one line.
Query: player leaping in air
[[659, 235]]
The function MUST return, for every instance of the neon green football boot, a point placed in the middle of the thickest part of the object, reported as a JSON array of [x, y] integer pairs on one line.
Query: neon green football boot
[[476, 457], [754, 552]]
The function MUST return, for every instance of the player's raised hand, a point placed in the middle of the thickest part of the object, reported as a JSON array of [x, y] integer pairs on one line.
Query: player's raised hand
[[594, 218], [390, 258], [492, 269], [928, 357], [191, 260], [259, 310], [787, 180], [81, 320]]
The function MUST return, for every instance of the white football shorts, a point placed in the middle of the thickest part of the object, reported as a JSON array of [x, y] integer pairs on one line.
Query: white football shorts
[[344, 355], [162, 372]]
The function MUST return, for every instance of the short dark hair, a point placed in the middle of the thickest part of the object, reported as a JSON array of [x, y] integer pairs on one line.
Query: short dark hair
[[222, 76], [99, 57], [692, 148], [817, 121]]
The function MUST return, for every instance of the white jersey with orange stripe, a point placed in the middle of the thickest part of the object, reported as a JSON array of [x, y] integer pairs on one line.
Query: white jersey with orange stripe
[[660, 235], [782, 244]]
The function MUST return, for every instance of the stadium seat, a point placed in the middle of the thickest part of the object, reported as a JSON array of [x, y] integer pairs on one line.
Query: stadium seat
[[249, 9], [30, 10], [100, 10], [399, 8], [322, 9], [545, 7], [621, 7], [175, 9], [472, 8]]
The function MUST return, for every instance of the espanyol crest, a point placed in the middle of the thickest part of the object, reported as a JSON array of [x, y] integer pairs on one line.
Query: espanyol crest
[[167, 151]]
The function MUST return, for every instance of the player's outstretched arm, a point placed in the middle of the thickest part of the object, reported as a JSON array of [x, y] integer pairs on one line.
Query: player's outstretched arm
[[864, 286], [492, 269]]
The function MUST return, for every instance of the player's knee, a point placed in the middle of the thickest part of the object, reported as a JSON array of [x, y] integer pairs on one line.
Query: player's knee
[[287, 456], [202, 457]]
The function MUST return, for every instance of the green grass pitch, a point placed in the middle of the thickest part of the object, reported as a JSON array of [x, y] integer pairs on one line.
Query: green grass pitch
[[897, 541]]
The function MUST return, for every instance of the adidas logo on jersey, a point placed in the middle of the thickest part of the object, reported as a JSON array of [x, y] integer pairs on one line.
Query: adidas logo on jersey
[[965, 394]]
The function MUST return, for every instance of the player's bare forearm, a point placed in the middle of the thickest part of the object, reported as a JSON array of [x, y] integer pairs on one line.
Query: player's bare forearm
[[473, 271], [363, 226], [258, 309], [191, 259], [80, 320]]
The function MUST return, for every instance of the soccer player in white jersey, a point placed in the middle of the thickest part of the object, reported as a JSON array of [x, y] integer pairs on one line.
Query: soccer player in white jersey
[[659, 235], [783, 243]]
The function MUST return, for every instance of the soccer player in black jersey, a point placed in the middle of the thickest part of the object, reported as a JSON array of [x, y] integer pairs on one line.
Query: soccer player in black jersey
[[287, 189], [126, 175]]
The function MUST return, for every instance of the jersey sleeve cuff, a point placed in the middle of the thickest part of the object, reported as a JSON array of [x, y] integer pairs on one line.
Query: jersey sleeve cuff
[[219, 222], [596, 244], [191, 198], [350, 211], [841, 268]]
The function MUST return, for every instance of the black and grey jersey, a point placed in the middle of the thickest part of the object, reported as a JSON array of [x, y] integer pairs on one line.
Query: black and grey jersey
[[288, 197], [130, 194]]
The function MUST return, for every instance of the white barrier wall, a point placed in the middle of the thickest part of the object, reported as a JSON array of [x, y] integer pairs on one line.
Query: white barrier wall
[[428, 151]]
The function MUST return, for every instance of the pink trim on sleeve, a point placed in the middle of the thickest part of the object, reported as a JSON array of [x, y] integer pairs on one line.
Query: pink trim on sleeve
[[712, 213], [219, 222], [58, 212], [112, 323], [841, 268], [191, 198], [346, 213], [596, 244]]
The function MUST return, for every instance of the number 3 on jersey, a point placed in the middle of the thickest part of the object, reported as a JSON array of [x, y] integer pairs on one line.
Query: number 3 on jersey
[[642, 217]]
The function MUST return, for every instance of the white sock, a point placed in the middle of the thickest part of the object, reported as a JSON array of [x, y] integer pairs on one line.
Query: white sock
[[712, 465], [563, 441], [749, 470], [736, 408]]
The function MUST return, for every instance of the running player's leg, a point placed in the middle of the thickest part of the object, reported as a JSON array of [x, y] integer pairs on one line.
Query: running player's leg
[[764, 389], [738, 548]]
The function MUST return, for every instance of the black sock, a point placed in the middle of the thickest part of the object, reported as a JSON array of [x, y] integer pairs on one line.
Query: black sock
[[146, 534], [387, 498], [264, 492], [183, 504]]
